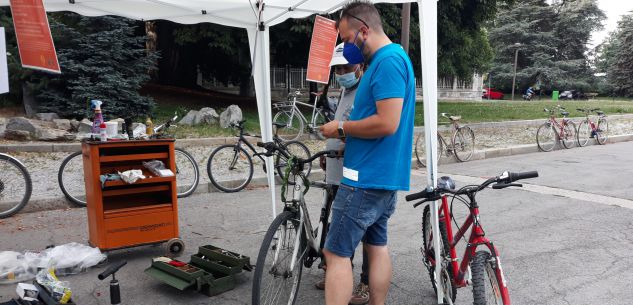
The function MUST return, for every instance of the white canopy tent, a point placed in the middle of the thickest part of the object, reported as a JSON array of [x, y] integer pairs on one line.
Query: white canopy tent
[[257, 16]]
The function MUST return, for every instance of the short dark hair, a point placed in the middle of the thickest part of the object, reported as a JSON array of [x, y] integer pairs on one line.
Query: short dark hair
[[361, 12]]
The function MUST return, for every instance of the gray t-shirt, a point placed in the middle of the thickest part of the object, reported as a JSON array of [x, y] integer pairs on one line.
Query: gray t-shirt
[[334, 166]]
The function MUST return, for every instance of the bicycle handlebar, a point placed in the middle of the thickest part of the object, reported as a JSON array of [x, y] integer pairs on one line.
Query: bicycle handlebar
[[271, 147], [112, 269], [504, 180]]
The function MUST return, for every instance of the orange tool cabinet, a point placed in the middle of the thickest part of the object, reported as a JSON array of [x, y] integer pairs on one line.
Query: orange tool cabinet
[[122, 215]]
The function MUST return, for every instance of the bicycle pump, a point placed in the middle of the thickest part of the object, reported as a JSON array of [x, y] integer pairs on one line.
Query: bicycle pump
[[115, 292]]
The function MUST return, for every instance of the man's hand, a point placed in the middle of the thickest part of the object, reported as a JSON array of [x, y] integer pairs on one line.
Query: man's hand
[[330, 130]]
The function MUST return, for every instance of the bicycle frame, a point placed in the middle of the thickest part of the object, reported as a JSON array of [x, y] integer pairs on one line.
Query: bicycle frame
[[295, 109], [477, 238], [561, 127]]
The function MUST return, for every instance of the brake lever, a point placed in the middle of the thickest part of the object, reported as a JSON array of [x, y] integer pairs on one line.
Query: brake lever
[[499, 186], [420, 202]]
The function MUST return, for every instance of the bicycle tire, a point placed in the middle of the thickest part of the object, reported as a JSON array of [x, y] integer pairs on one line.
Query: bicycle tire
[[484, 272], [272, 235], [420, 149], [181, 175], [584, 133], [76, 193], [319, 120], [290, 132], [602, 135], [427, 244], [463, 140], [27, 183], [546, 127], [228, 159], [280, 160], [569, 133]]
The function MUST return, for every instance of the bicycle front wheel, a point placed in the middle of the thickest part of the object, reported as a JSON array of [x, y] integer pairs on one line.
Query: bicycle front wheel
[[275, 280], [15, 186], [71, 179], [546, 137], [569, 135], [297, 149], [293, 125], [230, 168], [187, 174], [319, 120], [487, 279], [602, 134], [584, 133], [450, 290], [420, 149], [463, 143]]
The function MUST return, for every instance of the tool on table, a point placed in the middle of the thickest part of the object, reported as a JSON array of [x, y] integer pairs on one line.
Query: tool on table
[[115, 292]]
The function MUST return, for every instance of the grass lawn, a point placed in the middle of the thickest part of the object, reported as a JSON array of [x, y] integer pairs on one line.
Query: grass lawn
[[471, 112]]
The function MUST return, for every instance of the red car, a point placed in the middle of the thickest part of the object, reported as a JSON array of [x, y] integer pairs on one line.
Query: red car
[[493, 93]]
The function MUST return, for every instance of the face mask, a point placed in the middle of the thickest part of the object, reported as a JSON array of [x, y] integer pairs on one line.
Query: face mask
[[347, 80], [352, 53]]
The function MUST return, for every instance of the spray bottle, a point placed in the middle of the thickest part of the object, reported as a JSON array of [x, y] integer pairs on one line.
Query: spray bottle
[[98, 117]]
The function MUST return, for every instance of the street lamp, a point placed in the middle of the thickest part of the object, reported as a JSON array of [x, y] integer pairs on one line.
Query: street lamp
[[516, 47]]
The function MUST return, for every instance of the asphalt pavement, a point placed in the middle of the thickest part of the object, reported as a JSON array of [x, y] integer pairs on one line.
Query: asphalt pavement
[[566, 238]]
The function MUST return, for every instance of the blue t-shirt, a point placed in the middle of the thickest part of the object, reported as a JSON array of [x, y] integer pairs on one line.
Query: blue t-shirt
[[383, 163]]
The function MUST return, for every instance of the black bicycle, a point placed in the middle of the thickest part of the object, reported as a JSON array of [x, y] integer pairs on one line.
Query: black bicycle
[[15, 186], [230, 166], [291, 242], [71, 174]]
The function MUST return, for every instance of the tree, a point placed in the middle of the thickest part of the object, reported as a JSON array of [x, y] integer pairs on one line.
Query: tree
[[553, 38], [101, 58], [619, 57]]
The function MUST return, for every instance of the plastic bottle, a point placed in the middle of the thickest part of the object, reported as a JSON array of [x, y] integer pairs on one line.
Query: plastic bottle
[[103, 133], [149, 130], [98, 117]]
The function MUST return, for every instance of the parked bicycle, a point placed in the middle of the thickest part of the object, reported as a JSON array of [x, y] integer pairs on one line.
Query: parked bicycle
[[462, 143], [293, 120], [71, 175], [15, 186], [552, 132], [230, 167], [482, 269], [588, 130], [290, 242]]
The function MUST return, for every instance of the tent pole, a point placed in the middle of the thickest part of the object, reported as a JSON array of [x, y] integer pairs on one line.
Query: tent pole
[[427, 10], [259, 40]]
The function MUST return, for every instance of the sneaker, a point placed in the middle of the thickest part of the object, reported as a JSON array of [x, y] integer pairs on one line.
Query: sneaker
[[360, 295], [320, 284]]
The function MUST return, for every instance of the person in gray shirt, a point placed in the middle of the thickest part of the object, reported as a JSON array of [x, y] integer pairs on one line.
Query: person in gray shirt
[[348, 77]]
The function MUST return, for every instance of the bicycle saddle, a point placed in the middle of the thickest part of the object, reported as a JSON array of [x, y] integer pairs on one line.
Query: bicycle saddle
[[565, 113], [455, 117], [600, 112], [279, 125]]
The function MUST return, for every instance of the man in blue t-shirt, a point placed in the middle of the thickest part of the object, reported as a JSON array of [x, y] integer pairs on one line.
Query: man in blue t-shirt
[[377, 161]]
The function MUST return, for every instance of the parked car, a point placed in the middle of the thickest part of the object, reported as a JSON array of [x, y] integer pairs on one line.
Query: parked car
[[572, 95], [493, 93]]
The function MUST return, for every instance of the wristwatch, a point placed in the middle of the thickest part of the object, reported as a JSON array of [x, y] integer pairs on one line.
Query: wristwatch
[[341, 132]]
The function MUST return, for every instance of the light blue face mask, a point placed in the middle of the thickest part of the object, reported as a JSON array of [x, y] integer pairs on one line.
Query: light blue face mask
[[347, 80]]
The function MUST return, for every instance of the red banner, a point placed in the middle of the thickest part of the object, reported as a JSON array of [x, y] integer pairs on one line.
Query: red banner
[[324, 35], [33, 33]]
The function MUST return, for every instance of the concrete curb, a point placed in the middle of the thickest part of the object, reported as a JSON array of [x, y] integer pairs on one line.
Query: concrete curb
[[54, 203]]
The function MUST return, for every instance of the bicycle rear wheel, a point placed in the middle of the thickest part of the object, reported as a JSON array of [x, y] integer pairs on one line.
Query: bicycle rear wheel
[[274, 281], [187, 174], [297, 149], [420, 149], [319, 120], [463, 143], [230, 168], [15, 186], [293, 128], [450, 291], [487, 287], [602, 134], [71, 179], [584, 133], [546, 137], [569, 135]]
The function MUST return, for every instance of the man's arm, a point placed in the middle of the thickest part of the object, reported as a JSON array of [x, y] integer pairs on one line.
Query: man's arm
[[384, 123]]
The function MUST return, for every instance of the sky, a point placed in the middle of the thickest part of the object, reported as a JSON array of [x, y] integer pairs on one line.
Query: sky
[[613, 9]]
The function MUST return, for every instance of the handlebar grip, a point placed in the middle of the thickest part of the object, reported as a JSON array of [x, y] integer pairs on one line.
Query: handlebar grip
[[416, 196], [112, 269], [261, 144], [523, 175]]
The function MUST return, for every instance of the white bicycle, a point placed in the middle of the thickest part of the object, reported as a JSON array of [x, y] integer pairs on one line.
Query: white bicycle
[[288, 113]]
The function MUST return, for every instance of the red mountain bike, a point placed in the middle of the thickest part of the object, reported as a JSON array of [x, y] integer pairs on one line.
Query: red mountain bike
[[482, 268]]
